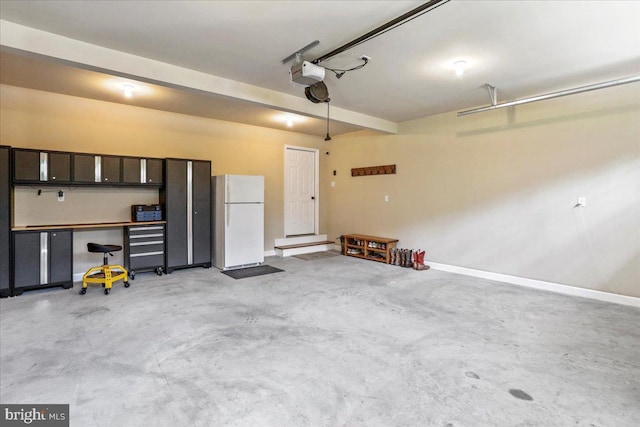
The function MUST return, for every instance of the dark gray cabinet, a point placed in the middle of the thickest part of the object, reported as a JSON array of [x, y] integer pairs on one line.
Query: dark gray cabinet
[[84, 168], [26, 256], [42, 259], [54, 167], [201, 212], [144, 248], [5, 221], [154, 171], [141, 171], [32, 166], [110, 169], [59, 167], [26, 165], [131, 170], [186, 197], [89, 168]]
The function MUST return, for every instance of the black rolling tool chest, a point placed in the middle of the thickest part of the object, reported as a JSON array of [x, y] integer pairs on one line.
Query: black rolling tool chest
[[144, 248]]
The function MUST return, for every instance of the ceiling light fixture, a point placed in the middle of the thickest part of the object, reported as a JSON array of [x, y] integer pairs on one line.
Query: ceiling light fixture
[[127, 88], [128, 91], [459, 67], [289, 119]]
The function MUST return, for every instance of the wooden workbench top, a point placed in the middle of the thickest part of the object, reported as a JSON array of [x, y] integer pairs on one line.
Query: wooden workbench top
[[87, 225]]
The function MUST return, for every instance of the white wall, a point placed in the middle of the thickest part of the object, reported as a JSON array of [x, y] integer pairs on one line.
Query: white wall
[[496, 191]]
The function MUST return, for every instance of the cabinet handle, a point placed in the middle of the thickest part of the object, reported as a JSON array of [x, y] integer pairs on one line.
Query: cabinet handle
[[53, 177]]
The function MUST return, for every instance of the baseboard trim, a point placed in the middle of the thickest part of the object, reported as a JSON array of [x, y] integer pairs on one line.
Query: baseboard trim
[[540, 284], [269, 253]]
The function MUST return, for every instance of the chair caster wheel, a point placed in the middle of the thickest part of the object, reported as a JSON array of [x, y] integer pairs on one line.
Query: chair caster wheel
[[83, 291], [159, 271], [106, 291], [126, 284], [132, 275]]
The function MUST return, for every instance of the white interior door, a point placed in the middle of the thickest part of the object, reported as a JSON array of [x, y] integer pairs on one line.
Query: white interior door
[[300, 197]]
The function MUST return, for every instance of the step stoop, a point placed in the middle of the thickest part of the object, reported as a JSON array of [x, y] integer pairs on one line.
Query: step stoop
[[303, 245]]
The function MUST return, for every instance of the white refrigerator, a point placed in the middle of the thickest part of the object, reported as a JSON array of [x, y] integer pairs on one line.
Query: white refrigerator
[[238, 221]]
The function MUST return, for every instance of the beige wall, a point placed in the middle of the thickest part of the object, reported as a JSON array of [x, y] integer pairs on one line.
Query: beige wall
[[493, 191], [496, 191], [35, 119]]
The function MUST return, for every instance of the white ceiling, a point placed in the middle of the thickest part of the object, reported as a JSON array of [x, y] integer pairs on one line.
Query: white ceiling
[[523, 48]]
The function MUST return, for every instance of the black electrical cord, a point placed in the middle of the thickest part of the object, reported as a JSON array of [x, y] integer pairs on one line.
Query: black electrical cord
[[339, 73], [40, 190]]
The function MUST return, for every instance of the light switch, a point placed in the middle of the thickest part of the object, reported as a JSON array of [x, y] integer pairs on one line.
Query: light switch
[[582, 201], [386, 198]]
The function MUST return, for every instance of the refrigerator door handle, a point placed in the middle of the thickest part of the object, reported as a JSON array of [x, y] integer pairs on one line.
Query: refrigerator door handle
[[228, 217]]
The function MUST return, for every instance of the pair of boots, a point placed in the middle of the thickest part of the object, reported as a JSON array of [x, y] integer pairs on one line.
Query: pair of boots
[[401, 257], [418, 261]]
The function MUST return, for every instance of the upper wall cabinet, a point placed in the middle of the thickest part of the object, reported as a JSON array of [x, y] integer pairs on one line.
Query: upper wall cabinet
[[84, 168], [110, 169], [34, 166], [89, 168], [154, 171], [54, 167], [141, 171]]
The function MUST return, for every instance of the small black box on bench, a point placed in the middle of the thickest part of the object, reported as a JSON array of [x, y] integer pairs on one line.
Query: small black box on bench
[[141, 213]]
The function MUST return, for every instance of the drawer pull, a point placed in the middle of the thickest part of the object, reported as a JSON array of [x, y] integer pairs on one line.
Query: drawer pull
[[157, 242], [146, 228], [146, 254]]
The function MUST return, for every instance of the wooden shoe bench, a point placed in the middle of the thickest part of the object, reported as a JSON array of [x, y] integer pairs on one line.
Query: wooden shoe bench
[[368, 247]]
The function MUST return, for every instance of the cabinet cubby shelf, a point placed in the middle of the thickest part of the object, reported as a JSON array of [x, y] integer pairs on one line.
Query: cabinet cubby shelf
[[368, 247]]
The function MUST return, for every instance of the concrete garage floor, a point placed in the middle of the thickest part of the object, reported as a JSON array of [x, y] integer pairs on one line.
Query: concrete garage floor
[[332, 342]]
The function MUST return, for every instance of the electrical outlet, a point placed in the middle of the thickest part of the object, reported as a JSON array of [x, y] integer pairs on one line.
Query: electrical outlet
[[60, 196], [333, 183]]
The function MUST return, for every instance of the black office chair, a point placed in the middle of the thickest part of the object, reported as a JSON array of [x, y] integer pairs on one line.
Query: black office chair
[[105, 274]]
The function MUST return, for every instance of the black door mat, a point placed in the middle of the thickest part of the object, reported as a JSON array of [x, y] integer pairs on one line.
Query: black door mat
[[317, 255], [243, 273]]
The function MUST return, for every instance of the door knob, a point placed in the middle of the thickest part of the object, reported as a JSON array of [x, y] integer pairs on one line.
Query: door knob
[[313, 198]]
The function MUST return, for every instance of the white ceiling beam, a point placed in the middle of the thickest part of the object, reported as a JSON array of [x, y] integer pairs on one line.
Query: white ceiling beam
[[114, 62]]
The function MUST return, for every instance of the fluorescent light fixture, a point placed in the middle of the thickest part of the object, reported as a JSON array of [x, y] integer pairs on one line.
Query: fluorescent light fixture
[[459, 67]]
